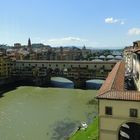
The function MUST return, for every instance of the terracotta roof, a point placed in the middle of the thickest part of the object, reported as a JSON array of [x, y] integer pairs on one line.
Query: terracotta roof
[[121, 95], [128, 49], [137, 50], [132, 49], [113, 87], [114, 81]]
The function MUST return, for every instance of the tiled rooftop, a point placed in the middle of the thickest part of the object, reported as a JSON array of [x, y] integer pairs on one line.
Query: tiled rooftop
[[113, 87], [121, 95], [137, 50]]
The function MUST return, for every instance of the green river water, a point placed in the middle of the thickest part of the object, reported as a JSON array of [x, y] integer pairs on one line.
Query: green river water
[[34, 113]]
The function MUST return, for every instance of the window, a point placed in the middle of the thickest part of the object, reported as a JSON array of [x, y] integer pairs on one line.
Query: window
[[108, 110], [133, 112], [95, 66]]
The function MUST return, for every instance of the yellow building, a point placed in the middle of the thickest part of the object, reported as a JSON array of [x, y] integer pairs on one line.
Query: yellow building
[[5, 67]]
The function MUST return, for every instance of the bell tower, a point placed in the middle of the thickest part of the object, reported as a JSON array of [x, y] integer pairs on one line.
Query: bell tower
[[29, 45]]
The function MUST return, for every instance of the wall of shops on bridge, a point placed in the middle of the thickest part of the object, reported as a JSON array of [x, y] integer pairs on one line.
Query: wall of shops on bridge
[[76, 71], [64, 65]]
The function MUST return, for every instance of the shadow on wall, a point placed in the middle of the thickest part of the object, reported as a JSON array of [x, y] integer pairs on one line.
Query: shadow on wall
[[6, 88]]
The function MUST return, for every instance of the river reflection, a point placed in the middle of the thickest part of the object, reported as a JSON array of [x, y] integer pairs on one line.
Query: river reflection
[[34, 113]]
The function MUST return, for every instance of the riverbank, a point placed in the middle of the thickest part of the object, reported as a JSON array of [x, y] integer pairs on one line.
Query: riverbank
[[91, 133]]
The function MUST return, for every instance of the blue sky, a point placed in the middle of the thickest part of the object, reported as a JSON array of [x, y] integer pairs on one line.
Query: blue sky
[[94, 23]]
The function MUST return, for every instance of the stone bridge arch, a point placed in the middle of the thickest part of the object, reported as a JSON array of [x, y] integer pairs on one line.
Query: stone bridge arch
[[78, 76], [81, 83], [78, 83], [61, 82]]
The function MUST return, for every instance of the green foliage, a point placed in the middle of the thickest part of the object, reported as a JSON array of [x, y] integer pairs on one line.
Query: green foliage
[[91, 133]]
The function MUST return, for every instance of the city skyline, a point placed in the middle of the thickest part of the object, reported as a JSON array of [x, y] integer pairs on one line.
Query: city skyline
[[94, 23]]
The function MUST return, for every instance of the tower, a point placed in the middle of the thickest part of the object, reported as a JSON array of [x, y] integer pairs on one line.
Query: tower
[[29, 45]]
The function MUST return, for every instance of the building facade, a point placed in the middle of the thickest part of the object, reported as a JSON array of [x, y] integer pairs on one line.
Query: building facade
[[136, 64], [5, 67], [119, 106]]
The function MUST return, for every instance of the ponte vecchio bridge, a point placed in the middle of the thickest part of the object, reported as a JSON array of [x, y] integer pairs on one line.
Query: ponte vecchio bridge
[[41, 71]]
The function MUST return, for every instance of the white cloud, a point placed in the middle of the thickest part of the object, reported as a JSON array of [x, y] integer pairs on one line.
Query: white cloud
[[67, 41], [134, 31], [111, 20]]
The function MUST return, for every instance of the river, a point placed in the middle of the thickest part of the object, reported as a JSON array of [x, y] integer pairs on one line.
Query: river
[[34, 113]]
